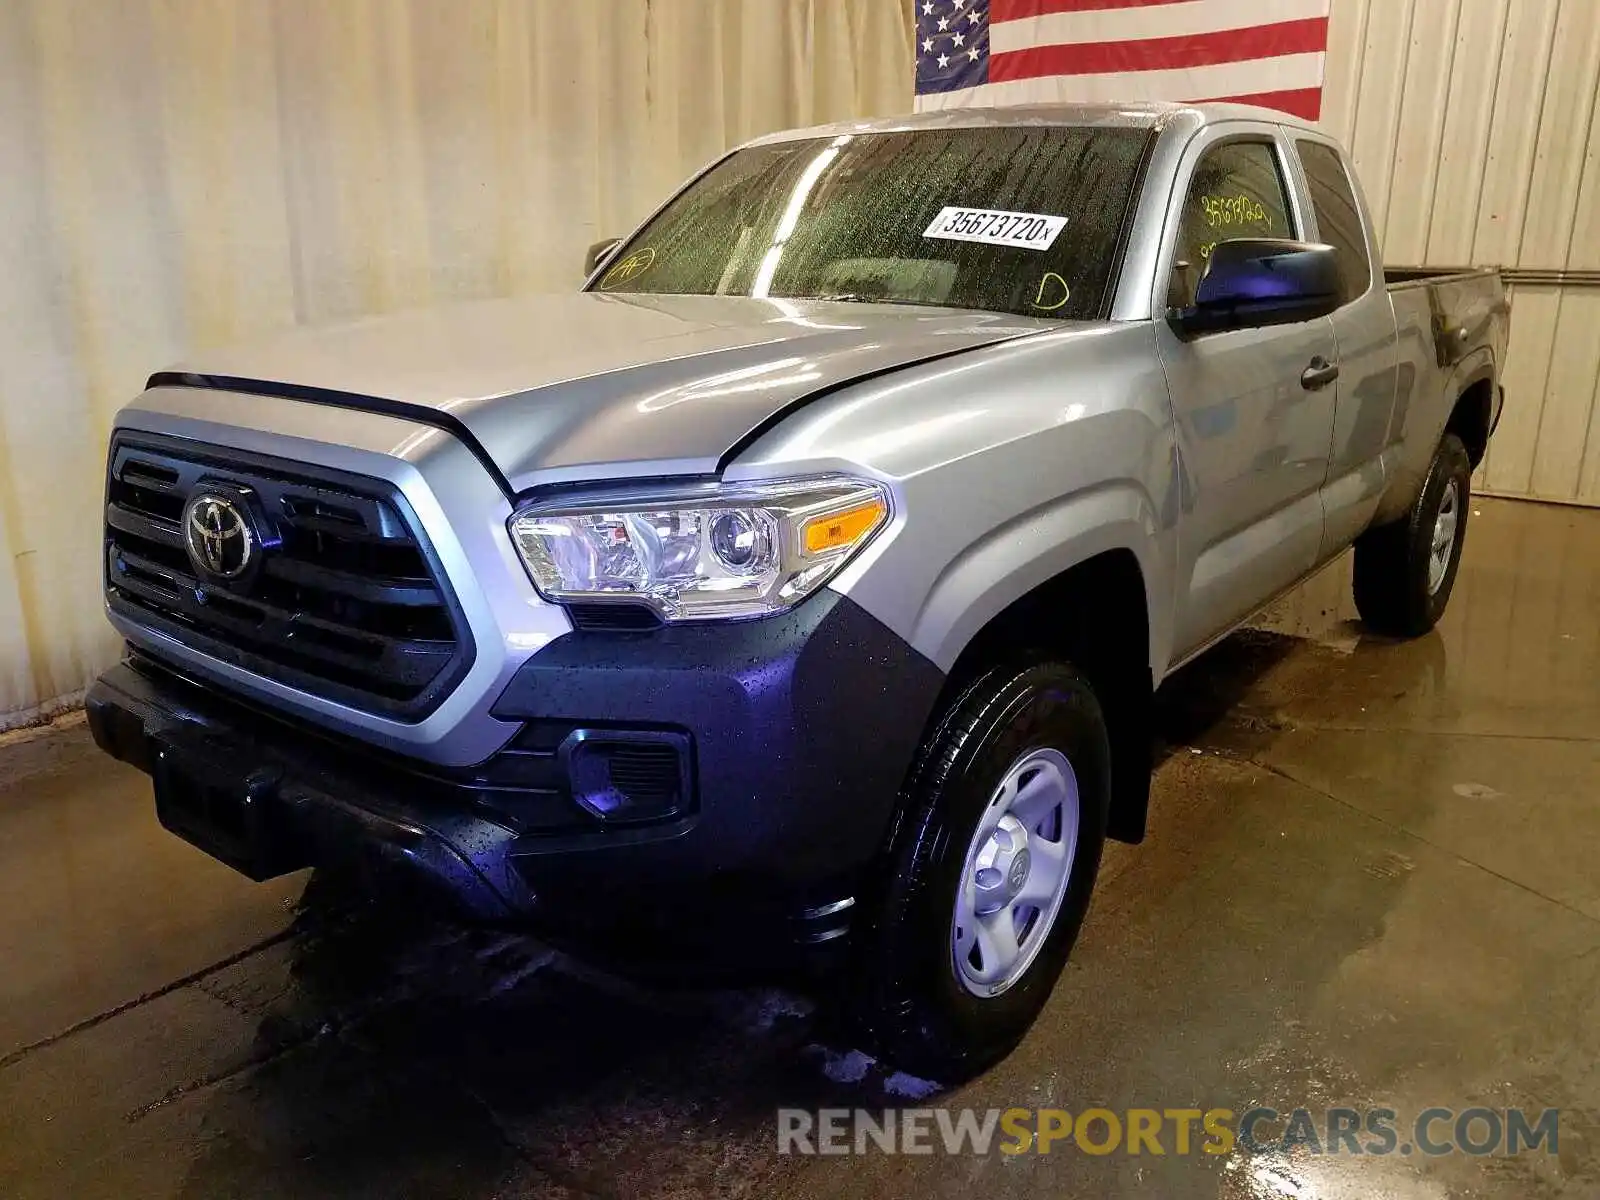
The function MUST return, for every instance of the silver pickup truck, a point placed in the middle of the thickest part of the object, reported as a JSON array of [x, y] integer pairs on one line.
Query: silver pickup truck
[[802, 583]]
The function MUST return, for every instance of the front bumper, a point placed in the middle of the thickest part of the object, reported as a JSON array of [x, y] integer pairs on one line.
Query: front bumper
[[797, 732]]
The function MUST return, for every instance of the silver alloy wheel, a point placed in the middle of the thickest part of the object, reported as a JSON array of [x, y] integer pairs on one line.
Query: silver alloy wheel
[[1444, 537], [1016, 873]]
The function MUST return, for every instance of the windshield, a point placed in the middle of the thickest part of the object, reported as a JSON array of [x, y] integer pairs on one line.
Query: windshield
[[1017, 220]]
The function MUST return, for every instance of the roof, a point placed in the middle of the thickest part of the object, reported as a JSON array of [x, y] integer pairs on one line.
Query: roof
[[1142, 114]]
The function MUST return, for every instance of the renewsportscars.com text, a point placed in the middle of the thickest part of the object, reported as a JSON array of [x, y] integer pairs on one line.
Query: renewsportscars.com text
[[1179, 1131]]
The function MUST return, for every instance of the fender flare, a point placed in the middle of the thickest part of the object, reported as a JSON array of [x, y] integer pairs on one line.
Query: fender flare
[[1008, 562], [1478, 367]]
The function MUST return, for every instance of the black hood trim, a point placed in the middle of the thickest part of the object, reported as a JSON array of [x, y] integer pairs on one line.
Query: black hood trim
[[417, 413]]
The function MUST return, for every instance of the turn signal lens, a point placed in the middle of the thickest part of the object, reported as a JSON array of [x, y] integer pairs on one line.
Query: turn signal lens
[[837, 530]]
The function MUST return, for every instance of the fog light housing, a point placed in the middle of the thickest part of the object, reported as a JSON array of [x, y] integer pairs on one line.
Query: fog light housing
[[628, 776]]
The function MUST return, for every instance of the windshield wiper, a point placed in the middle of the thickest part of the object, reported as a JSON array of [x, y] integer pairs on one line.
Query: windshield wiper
[[861, 298], [858, 298]]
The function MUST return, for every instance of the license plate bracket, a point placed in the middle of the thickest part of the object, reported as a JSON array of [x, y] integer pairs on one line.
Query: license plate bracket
[[237, 819]]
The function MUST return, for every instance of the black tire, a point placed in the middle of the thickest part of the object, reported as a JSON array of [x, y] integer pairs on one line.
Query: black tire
[[909, 1001], [1392, 588]]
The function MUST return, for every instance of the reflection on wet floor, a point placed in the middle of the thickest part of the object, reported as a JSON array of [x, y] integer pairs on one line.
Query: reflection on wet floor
[[1369, 882]]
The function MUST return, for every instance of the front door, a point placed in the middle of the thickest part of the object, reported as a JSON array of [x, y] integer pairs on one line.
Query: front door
[[1253, 428]]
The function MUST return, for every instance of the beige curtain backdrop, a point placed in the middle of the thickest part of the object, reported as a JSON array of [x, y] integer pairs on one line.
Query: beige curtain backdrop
[[180, 173]]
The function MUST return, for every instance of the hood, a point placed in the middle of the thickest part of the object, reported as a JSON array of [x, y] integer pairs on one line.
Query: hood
[[589, 386]]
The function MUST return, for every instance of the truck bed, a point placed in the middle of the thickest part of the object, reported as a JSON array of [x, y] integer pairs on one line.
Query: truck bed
[[1401, 278], [1466, 309]]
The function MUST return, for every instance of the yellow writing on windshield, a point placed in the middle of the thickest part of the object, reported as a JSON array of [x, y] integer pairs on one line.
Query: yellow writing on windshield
[[1233, 210], [634, 265], [1053, 293]]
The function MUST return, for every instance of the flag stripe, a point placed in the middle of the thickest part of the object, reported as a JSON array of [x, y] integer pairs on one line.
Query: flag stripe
[[1302, 102], [1178, 18], [1011, 10], [1262, 42], [1291, 73]]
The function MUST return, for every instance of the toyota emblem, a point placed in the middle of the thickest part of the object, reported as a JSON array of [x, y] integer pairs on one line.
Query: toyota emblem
[[218, 536]]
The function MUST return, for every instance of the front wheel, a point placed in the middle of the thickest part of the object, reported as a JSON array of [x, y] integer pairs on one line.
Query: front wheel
[[1405, 570], [989, 873]]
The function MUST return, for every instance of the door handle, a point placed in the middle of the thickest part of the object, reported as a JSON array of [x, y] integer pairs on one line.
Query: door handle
[[1319, 373]]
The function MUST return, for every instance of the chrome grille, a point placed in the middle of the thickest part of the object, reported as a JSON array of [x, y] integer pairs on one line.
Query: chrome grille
[[348, 602]]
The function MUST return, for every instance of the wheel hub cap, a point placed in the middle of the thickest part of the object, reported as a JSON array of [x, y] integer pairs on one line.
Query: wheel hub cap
[[1443, 548], [1016, 873], [1002, 866], [1019, 871]]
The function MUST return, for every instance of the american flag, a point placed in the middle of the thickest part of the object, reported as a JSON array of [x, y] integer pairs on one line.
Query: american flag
[[1267, 52]]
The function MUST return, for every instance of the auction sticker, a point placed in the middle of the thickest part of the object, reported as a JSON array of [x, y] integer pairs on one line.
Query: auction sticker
[[992, 226]]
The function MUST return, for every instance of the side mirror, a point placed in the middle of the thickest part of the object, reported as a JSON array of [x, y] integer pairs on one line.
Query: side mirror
[[1254, 282], [597, 254]]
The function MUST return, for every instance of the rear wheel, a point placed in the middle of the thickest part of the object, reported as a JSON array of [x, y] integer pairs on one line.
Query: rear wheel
[[989, 874], [1405, 571]]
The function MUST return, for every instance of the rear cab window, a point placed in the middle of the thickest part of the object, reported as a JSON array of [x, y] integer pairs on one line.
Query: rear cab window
[[1338, 215]]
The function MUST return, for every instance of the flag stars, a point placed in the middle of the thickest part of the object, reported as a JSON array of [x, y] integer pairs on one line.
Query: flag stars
[[946, 45]]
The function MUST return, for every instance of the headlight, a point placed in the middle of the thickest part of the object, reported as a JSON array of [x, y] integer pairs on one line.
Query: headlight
[[701, 553]]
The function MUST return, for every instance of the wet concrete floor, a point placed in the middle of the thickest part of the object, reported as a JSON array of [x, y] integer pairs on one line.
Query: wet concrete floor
[[1371, 883]]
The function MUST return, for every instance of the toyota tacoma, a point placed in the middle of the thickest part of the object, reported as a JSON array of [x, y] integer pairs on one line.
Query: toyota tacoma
[[802, 582]]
